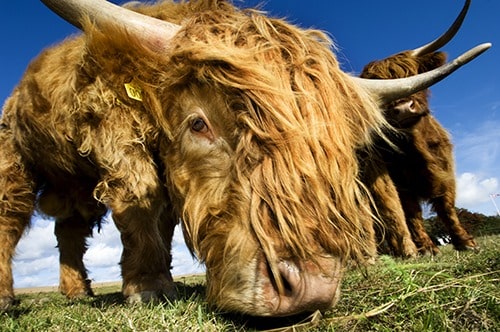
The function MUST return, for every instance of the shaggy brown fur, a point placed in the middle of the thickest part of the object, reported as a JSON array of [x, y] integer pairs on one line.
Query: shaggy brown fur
[[393, 235], [247, 132], [423, 168]]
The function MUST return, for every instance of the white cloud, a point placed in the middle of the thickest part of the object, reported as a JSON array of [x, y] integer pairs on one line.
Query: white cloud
[[478, 150], [32, 266], [474, 190], [473, 193], [38, 241], [36, 280], [102, 255], [182, 260], [477, 157], [37, 260]]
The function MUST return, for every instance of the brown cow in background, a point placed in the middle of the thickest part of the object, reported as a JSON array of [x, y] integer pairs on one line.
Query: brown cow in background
[[422, 165], [241, 126]]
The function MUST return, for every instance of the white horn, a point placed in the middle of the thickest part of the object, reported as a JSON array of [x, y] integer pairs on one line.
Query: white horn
[[446, 37], [154, 32], [393, 89]]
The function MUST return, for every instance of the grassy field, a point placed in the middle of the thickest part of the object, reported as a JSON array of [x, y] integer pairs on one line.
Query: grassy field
[[455, 291]]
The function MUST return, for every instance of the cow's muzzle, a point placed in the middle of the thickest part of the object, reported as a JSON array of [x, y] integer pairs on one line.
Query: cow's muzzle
[[306, 286]]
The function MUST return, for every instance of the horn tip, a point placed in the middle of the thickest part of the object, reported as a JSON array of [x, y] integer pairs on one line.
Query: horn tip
[[486, 45]]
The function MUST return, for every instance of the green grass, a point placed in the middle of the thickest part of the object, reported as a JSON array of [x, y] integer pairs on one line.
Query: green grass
[[455, 291]]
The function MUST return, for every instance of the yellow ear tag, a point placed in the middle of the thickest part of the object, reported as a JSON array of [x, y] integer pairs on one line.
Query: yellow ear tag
[[134, 91]]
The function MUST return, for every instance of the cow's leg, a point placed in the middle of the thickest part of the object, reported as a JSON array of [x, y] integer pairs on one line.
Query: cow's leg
[[415, 221], [71, 236], [444, 206], [146, 256], [17, 196], [141, 213], [132, 190], [394, 228], [76, 214]]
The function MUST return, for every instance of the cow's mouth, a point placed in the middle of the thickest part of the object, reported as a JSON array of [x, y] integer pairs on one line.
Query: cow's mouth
[[407, 121]]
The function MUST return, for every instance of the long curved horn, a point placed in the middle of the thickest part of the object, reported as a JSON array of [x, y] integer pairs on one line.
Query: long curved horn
[[393, 89], [154, 32], [444, 38]]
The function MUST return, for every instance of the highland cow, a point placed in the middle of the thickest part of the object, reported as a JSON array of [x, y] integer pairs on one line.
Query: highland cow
[[421, 166], [241, 126]]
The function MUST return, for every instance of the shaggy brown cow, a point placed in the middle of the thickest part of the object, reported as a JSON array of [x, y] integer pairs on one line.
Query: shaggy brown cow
[[422, 167], [394, 236], [240, 125]]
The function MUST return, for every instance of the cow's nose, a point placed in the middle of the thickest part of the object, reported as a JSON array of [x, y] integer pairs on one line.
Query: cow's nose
[[306, 286], [405, 106]]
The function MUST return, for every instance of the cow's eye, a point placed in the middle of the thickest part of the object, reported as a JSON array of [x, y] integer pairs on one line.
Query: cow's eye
[[198, 125]]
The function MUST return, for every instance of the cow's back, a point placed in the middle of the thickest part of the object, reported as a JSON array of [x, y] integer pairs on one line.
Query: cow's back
[[66, 119], [39, 111]]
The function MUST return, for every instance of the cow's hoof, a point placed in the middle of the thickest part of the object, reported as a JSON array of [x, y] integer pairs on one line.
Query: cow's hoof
[[79, 296], [409, 250], [76, 290], [143, 297], [474, 248], [7, 302], [150, 288], [154, 297], [431, 251], [408, 253]]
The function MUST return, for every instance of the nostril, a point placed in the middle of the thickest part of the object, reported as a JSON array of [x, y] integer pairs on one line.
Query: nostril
[[283, 278], [287, 287], [288, 274], [411, 106]]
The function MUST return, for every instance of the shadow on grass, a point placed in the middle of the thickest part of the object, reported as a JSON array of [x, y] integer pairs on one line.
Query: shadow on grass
[[15, 312], [185, 292], [189, 290], [266, 323]]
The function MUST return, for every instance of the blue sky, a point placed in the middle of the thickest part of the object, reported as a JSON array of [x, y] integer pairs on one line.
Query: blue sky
[[467, 103]]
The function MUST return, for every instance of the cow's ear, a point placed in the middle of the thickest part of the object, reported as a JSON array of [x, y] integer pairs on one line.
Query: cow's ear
[[431, 61]]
